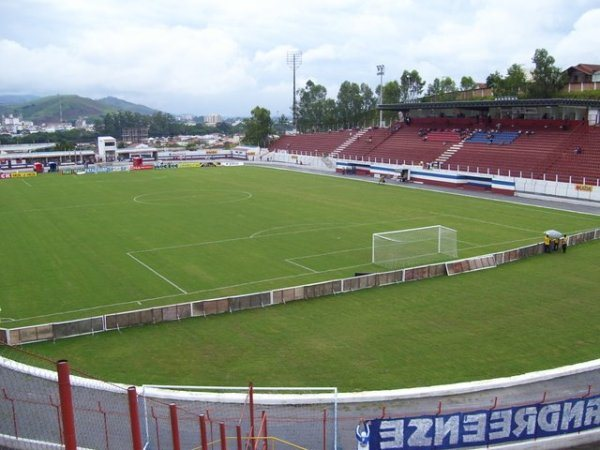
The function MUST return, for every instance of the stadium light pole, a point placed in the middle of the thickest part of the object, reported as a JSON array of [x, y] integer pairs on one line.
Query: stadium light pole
[[294, 60], [380, 72]]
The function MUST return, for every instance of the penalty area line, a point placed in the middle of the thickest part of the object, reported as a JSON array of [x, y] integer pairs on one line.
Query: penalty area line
[[291, 261], [183, 291]]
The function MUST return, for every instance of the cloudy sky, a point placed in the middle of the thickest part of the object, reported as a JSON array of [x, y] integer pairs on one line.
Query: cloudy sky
[[228, 56]]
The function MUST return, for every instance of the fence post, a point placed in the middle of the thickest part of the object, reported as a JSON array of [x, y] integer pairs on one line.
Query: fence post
[[174, 426], [251, 405], [238, 435], [324, 429], [66, 405], [265, 431], [223, 436], [203, 439], [136, 434]]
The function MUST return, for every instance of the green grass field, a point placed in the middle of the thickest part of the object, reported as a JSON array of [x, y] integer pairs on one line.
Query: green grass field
[[81, 246]]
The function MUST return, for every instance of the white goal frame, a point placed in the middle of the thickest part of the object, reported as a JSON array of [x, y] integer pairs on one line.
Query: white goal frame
[[446, 243]]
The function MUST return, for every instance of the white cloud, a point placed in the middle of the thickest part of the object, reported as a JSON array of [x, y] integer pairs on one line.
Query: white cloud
[[203, 56], [580, 45]]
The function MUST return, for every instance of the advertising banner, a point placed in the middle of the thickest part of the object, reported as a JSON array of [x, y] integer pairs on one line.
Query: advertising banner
[[486, 427], [187, 165], [22, 174], [143, 167], [109, 169]]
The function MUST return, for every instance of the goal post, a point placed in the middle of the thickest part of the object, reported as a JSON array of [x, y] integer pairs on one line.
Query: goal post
[[415, 246]]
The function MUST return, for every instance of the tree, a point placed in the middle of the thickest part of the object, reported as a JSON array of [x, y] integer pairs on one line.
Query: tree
[[329, 114], [349, 104], [448, 85], [258, 127], [311, 106], [442, 89], [162, 124], [282, 124], [369, 103], [547, 78], [411, 85], [391, 94], [515, 82], [495, 82], [467, 83]]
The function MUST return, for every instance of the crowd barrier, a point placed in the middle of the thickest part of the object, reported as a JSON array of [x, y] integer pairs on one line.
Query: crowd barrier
[[230, 304], [550, 409]]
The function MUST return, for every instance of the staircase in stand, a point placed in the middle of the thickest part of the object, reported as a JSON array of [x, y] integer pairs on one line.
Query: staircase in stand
[[449, 152], [347, 143]]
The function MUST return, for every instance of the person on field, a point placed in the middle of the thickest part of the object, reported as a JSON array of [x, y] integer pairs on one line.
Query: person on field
[[363, 436], [563, 243], [546, 244]]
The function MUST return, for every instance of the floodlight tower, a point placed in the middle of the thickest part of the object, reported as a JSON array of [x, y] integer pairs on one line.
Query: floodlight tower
[[294, 60], [380, 72]]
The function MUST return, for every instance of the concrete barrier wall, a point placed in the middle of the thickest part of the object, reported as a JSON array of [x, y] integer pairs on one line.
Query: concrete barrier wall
[[44, 332], [396, 276], [517, 182], [420, 273]]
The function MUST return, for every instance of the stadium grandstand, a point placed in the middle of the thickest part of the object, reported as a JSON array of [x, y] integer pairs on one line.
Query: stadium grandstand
[[554, 139]]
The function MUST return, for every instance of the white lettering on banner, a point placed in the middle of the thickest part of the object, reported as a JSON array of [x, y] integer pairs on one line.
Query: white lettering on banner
[[502, 426], [525, 420], [548, 418], [445, 427], [572, 414], [419, 437], [486, 427], [394, 430], [592, 413], [474, 427]]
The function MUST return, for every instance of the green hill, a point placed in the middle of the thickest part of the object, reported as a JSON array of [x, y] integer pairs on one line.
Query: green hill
[[123, 105], [53, 108]]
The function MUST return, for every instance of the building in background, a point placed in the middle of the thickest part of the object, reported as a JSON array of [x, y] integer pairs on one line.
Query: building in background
[[213, 119]]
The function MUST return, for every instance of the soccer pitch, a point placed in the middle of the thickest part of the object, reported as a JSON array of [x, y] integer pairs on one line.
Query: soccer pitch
[[72, 243], [78, 246]]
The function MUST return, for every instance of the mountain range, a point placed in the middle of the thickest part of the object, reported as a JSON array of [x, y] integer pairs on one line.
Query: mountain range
[[53, 109]]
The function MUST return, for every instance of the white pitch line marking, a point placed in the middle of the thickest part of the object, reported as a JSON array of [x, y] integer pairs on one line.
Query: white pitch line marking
[[192, 194], [291, 261], [336, 252], [263, 234], [219, 288], [183, 291], [24, 181]]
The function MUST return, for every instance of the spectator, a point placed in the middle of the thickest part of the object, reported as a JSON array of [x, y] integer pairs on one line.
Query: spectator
[[546, 244], [563, 243]]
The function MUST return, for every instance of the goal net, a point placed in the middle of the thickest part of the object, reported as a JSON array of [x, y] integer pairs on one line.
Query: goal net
[[416, 246]]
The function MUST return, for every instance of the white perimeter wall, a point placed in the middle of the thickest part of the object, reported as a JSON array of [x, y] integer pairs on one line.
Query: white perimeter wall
[[522, 185]]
